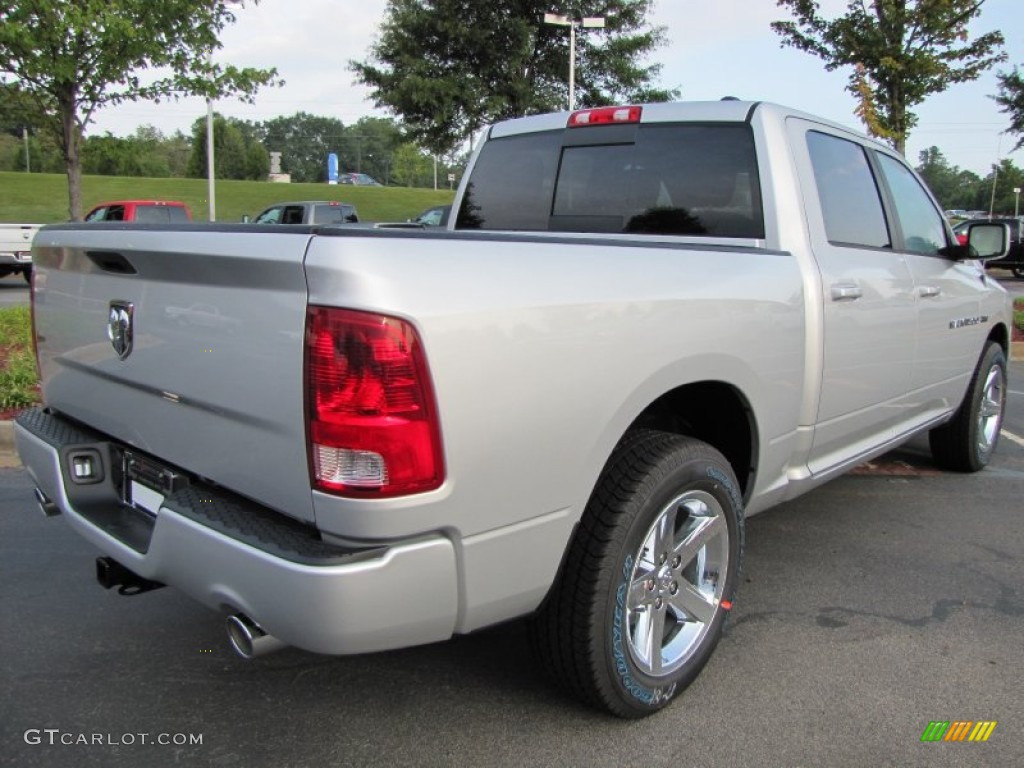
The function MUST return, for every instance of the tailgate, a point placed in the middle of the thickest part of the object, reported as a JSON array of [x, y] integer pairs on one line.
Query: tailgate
[[212, 379]]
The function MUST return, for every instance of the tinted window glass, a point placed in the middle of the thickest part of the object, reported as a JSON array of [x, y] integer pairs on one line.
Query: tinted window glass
[[334, 214], [177, 213], [675, 179], [849, 196], [152, 214], [269, 216], [512, 183], [924, 230], [327, 214], [293, 214]]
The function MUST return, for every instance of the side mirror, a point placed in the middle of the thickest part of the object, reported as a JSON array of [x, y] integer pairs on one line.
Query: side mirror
[[986, 241]]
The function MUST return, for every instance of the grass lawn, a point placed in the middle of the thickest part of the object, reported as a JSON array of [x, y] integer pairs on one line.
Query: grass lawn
[[42, 198], [18, 385]]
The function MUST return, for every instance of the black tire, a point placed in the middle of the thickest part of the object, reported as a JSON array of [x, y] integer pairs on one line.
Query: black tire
[[623, 582], [966, 442], [5, 271], [27, 274]]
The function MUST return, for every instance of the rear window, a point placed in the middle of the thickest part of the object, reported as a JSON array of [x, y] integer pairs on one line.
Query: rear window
[[151, 214], [674, 179], [333, 214]]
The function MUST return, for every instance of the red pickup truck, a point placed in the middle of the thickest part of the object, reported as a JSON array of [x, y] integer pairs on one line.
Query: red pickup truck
[[148, 211]]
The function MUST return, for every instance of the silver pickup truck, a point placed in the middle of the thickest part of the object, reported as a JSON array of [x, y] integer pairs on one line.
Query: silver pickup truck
[[641, 325]]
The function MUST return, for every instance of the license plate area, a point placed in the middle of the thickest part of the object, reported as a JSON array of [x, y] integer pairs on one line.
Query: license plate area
[[145, 483]]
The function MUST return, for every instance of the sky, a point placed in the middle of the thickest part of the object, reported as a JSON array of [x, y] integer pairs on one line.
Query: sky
[[715, 48]]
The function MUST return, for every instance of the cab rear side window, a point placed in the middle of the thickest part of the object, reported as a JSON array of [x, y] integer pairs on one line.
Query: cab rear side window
[[674, 179], [849, 196], [512, 183]]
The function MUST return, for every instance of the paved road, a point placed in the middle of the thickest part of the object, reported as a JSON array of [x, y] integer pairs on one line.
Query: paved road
[[871, 606], [13, 291]]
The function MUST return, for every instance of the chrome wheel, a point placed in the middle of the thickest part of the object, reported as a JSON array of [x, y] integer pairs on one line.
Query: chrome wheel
[[647, 583], [677, 582], [968, 440], [990, 410]]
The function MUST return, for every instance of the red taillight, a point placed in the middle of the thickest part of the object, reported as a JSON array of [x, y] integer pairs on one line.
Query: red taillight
[[373, 428], [605, 116]]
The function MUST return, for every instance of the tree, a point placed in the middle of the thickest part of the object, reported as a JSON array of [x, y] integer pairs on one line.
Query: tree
[[901, 51], [410, 166], [997, 189], [73, 57], [1011, 99], [368, 146], [232, 152], [19, 115], [257, 162], [17, 110], [447, 67], [177, 151], [137, 155], [304, 142], [954, 188]]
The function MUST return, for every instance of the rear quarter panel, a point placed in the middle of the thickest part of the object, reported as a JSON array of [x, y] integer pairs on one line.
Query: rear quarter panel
[[544, 350]]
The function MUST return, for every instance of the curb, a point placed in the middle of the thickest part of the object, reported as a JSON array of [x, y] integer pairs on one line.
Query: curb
[[1017, 350], [8, 456]]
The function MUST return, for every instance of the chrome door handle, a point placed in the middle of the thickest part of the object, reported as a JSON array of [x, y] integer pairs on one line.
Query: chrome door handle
[[846, 291], [927, 291]]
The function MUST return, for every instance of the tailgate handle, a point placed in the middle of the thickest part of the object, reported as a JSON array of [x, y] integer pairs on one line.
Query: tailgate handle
[[111, 261]]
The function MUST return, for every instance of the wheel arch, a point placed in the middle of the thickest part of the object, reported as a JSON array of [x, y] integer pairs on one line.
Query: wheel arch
[[1000, 334], [714, 412]]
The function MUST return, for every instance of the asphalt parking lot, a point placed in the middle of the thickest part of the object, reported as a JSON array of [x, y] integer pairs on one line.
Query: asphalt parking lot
[[13, 291], [885, 600]]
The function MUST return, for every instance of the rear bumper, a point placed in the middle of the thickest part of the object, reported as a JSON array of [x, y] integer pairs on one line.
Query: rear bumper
[[16, 258], [236, 556]]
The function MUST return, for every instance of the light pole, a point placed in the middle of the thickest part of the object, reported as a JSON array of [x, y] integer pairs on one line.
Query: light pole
[[587, 22], [209, 159], [210, 169], [1016, 202]]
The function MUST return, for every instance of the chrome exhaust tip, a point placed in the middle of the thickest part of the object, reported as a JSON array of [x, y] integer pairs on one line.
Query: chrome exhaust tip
[[248, 639], [46, 506]]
